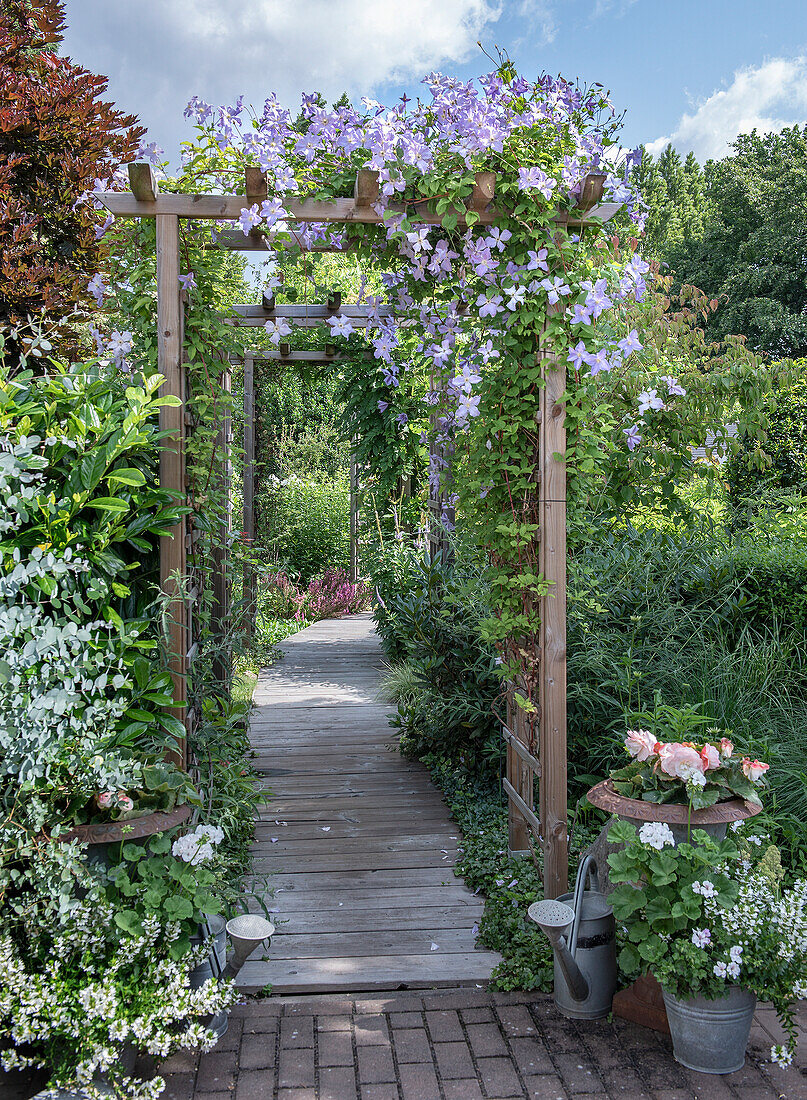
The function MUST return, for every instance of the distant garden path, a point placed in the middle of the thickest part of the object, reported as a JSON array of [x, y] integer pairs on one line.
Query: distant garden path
[[358, 841]]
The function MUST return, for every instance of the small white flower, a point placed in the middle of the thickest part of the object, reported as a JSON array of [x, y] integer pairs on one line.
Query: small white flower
[[701, 937], [719, 969], [656, 834], [781, 1055]]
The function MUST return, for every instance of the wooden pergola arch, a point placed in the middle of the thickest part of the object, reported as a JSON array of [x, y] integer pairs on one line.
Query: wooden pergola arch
[[549, 765]]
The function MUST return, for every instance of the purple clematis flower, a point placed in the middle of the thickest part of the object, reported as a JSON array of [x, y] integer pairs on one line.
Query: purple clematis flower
[[633, 436]]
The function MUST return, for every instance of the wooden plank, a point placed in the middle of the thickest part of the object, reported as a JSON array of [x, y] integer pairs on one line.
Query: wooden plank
[[248, 491], [323, 357], [552, 561], [229, 207], [335, 974], [234, 240], [172, 459], [143, 181], [405, 899], [287, 944], [254, 185], [519, 779], [354, 862], [326, 921]]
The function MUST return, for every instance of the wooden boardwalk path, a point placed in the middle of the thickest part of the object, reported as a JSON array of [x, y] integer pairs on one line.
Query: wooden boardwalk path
[[357, 839]]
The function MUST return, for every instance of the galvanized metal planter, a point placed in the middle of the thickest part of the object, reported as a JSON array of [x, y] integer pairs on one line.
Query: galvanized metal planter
[[711, 1036]]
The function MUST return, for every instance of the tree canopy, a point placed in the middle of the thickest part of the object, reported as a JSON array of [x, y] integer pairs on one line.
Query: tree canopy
[[738, 230]]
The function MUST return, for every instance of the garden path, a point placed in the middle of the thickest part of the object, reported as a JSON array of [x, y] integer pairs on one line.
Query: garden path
[[357, 839]]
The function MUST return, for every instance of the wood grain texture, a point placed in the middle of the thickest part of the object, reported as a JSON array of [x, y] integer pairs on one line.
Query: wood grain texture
[[357, 841], [229, 207], [552, 795], [172, 458]]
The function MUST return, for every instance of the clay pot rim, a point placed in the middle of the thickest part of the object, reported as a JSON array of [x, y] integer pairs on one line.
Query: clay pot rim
[[109, 832], [604, 797]]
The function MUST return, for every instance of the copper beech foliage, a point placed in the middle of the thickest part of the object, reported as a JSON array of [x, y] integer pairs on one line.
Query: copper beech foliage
[[56, 137]]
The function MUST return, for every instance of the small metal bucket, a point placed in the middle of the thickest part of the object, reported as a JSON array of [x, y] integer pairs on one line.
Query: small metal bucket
[[711, 1036]]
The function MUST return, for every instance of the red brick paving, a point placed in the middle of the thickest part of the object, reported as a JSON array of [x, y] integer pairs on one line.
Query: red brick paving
[[460, 1045]]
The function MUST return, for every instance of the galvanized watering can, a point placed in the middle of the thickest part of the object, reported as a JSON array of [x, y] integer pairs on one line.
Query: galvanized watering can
[[582, 935]]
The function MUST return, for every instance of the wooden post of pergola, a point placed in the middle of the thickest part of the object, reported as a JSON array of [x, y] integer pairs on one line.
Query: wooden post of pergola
[[173, 568], [144, 201], [250, 592]]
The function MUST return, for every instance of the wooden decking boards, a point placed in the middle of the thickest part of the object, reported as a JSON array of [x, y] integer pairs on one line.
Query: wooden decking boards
[[358, 842]]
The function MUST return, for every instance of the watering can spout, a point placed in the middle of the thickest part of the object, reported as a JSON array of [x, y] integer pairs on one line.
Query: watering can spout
[[554, 918]]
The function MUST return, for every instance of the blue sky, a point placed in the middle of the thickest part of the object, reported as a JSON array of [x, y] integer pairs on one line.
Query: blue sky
[[694, 71]]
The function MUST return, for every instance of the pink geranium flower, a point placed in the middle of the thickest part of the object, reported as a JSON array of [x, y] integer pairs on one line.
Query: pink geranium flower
[[754, 769], [726, 747], [641, 744], [104, 800]]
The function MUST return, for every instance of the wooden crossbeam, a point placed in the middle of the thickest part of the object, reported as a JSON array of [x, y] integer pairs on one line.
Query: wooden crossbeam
[[297, 310], [143, 182], [233, 240], [229, 207], [317, 357], [303, 315]]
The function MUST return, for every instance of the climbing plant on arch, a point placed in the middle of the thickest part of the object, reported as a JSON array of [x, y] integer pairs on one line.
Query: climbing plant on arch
[[485, 208]]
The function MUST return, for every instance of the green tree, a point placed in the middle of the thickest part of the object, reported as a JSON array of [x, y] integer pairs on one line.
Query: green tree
[[746, 241]]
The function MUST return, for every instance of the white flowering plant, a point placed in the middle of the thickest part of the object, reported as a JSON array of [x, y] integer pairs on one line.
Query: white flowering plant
[[75, 988], [166, 881], [671, 762], [708, 915]]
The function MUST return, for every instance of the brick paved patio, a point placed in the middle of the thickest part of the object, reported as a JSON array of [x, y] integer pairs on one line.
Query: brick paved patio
[[458, 1045]]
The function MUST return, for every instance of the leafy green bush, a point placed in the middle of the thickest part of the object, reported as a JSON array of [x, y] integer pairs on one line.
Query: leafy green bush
[[307, 524], [786, 445], [82, 712], [429, 615]]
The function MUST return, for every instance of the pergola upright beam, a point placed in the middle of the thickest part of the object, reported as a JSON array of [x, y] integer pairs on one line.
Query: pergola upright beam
[[250, 593], [552, 686], [220, 608], [172, 459]]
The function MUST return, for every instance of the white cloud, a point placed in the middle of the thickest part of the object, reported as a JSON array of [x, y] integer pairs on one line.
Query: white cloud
[[540, 19], [766, 98], [607, 7], [158, 53]]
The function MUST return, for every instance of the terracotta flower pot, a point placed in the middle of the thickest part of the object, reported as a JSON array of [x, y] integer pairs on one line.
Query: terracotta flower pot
[[681, 819], [98, 837]]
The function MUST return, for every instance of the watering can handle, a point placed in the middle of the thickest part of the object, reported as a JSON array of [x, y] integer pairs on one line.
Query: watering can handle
[[587, 869]]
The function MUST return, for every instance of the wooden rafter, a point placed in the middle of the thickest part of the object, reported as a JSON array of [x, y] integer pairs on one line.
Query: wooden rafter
[[303, 315], [358, 209]]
